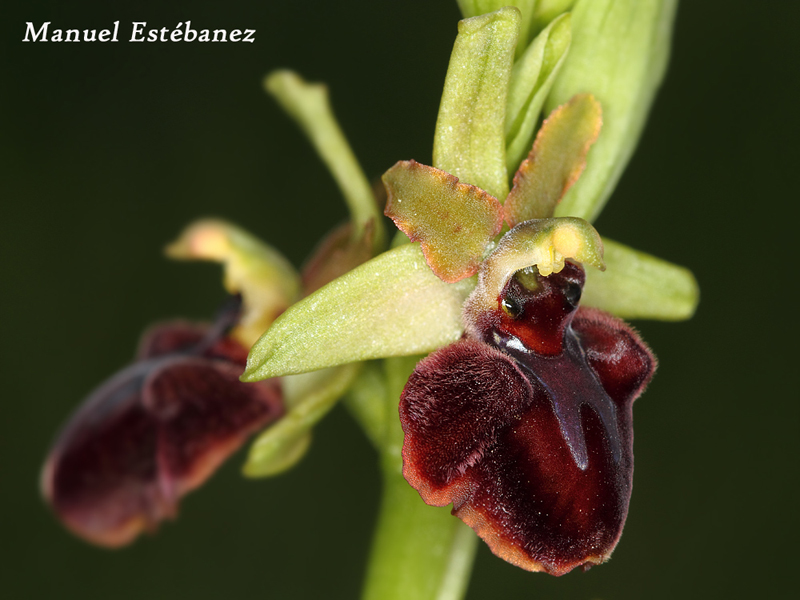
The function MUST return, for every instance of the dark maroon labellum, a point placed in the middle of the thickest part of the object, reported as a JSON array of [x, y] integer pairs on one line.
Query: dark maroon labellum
[[155, 431], [527, 430]]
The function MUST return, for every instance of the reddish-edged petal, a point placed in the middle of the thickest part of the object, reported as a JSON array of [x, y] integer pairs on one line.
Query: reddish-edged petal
[[535, 507], [487, 438], [556, 161], [454, 221]]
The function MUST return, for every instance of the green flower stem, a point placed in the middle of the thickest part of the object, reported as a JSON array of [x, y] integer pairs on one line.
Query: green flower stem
[[419, 551], [308, 104]]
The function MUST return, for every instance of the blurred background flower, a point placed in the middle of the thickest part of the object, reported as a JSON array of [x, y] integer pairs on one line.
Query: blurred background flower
[[109, 150]]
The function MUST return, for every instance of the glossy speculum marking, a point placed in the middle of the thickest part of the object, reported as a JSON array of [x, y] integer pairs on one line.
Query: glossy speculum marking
[[525, 425]]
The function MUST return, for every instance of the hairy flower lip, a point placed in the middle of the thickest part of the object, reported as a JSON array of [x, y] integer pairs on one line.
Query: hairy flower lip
[[533, 450]]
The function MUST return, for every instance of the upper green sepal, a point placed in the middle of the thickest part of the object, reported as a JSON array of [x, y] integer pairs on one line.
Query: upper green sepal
[[392, 305], [475, 8]]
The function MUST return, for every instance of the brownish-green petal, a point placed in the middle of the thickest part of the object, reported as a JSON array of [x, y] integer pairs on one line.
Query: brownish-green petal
[[556, 161], [453, 221]]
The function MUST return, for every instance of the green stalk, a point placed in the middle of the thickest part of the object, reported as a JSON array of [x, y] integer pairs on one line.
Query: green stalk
[[419, 551]]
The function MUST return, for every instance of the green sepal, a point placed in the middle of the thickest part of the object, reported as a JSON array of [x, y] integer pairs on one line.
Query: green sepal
[[469, 141], [619, 54], [531, 79], [636, 285], [392, 305], [309, 106], [309, 397]]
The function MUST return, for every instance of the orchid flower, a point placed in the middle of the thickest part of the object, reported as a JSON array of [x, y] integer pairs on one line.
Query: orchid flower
[[483, 353]]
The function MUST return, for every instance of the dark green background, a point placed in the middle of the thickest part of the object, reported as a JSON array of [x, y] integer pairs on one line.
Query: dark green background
[[108, 150]]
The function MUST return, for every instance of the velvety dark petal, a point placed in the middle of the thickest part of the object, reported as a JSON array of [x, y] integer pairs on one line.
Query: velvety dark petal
[[570, 384], [153, 432], [101, 476], [204, 414], [451, 410], [485, 437]]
